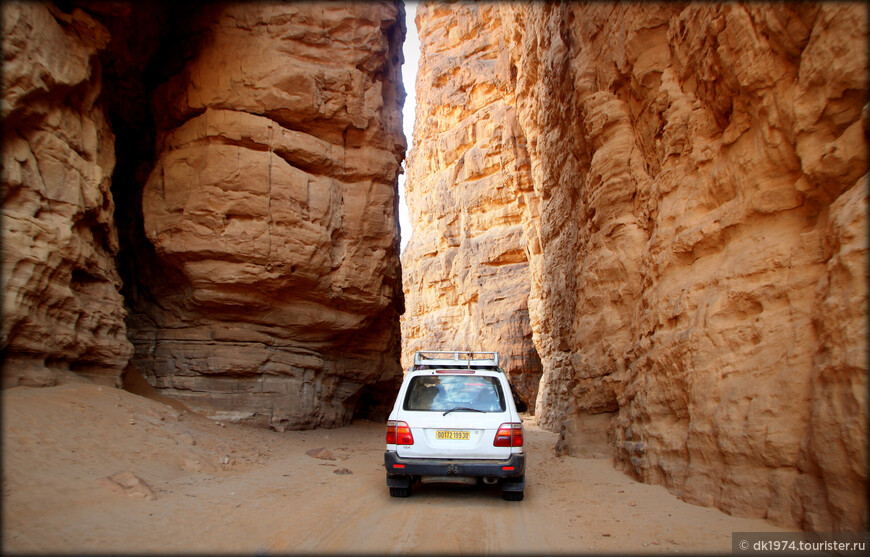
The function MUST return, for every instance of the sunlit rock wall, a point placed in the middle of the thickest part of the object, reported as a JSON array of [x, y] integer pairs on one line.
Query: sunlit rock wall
[[466, 271], [63, 315], [696, 239]]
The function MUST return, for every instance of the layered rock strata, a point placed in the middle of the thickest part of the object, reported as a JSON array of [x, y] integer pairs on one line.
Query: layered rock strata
[[466, 270], [63, 315], [696, 237], [271, 210]]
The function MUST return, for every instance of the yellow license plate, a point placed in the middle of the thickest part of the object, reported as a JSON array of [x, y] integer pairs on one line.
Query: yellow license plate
[[460, 435]]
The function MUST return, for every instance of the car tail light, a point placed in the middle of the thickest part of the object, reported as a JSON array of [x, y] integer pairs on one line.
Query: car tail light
[[509, 435], [398, 433]]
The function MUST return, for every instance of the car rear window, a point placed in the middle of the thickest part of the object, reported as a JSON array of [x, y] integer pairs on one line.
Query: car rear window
[[439, 393]]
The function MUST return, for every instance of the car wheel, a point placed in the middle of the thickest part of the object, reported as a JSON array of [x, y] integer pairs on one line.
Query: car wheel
[[512, 495], [400, 491]]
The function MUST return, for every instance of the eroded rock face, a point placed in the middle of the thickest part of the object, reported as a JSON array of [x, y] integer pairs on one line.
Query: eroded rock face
[[696, 241], [271, 209], [466, 271], [254, 159], [63, 315]]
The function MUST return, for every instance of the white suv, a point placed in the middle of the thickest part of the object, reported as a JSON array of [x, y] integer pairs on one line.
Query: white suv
[[455, 421]]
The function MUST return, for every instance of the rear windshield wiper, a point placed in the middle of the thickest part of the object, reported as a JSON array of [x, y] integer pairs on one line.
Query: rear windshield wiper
[[463, 408]]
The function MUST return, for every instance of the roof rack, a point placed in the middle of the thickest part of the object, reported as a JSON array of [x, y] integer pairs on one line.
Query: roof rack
[[427, 359]]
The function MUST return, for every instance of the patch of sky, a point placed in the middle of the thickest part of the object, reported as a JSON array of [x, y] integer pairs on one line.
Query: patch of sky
[[411, 51]]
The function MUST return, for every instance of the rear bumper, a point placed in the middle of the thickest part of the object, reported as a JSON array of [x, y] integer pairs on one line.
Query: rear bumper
[[400, 469]]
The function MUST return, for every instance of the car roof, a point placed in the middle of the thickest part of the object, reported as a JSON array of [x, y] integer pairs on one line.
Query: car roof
[[455, 371]]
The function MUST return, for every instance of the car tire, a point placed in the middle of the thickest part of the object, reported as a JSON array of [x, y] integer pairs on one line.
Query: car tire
[[400, 491], [512, 495]]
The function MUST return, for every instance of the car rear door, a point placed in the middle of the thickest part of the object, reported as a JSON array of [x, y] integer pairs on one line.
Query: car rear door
[[460, 421]]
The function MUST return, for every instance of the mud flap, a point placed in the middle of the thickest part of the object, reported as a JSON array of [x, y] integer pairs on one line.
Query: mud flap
[[514, 484], [398, 481]]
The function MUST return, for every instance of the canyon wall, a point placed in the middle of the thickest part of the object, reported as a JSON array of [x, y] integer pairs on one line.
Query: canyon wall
[[258, 148], [271, 208], [695, 233], [466, 271], [63, 314]]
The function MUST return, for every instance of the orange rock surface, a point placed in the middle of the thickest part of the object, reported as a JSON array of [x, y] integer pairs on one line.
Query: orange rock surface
[[465, 269], [63, 314], [272, 205], [695, 233], [258, 147]]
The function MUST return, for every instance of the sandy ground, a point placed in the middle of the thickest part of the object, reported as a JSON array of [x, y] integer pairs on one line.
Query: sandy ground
[[189, 484]]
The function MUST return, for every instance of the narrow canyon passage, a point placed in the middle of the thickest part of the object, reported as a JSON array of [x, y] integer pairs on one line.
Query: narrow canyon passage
[[655, 212]]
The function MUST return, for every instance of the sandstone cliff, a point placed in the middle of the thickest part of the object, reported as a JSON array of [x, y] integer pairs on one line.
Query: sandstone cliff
[[272, 208], [63, 315], [695, 234], [258, 147], [466, 271]]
